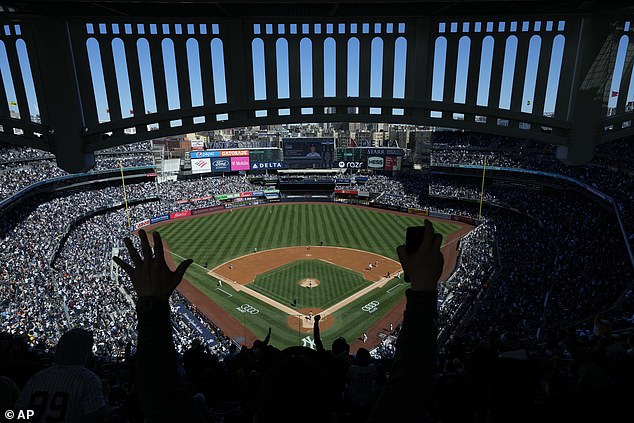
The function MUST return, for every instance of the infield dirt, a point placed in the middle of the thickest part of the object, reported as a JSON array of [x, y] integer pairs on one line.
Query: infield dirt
[[235, 329]]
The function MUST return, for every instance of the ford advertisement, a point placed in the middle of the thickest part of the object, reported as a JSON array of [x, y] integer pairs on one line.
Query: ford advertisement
[[221, 165]]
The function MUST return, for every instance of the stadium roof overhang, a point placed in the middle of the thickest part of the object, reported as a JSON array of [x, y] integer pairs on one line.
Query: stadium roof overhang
[[70, 119], [298, 8]]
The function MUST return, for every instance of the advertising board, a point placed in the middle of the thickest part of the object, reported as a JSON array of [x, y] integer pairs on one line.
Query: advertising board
[[160, 218], [194, 200], [240, 163], [218, 153], [179, 214], [465, 219], [221, 165], [376, 162], [439, 214], [141, 224], [266, 165], [197, 145], [234, 153], [391, 163], [203, 154], [385, 151], [418, 212], [342, 164], [207, 210], [222, 197], [201, 166]]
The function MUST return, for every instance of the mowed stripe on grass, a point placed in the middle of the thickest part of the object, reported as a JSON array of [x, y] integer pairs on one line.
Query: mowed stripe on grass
[[335, 284], [217, 238]]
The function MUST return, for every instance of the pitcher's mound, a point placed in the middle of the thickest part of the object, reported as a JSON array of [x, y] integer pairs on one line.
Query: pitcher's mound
[[308, 282]]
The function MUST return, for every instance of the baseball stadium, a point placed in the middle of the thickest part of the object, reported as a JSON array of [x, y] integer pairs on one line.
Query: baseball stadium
[[339, 211]]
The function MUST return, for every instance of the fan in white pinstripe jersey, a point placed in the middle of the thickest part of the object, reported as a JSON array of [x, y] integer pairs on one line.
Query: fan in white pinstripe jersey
[[67, 391]]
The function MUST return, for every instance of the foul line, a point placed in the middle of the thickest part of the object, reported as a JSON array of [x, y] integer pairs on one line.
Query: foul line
[[220, 289], [193, 262], [394, 287]]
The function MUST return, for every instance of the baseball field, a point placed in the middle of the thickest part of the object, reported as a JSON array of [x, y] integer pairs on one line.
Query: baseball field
[[278, 265]]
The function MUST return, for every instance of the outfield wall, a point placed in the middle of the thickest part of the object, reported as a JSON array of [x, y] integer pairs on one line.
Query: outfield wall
[[249, 199]]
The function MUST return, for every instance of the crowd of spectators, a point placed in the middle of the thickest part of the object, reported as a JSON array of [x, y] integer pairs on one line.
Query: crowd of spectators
[[197, 193], [476, 265], [11, 153], [579, 274], [14, 177], [611, 171], [32, 300], [23, 166], [402, 190], [526, 287], [44, 293]]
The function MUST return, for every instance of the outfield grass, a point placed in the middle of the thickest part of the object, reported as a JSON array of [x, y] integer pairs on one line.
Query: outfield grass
[[282, 285], [217, 238]]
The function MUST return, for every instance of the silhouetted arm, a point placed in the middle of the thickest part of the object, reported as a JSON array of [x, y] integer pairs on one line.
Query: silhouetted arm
[[268, 338], [157, 371], [318, 344], [404, 396]]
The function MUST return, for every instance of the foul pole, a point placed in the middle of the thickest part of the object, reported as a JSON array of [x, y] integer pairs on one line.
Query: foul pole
[[125, 198], [484, 169]]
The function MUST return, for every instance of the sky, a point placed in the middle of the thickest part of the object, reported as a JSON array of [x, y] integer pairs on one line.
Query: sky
[[217, 53]]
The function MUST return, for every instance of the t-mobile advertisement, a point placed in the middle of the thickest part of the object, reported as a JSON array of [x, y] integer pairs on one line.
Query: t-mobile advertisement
[[240, 163]]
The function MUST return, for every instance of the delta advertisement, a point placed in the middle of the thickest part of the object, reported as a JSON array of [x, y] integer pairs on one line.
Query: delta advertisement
[[201, 166], [266, 165]]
